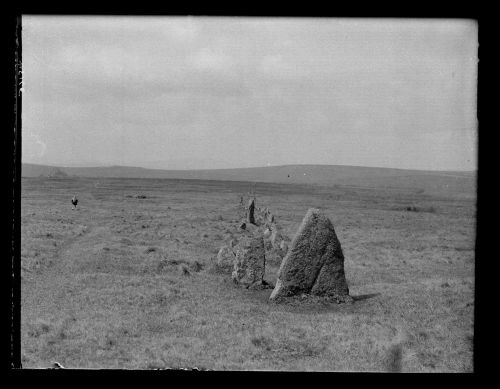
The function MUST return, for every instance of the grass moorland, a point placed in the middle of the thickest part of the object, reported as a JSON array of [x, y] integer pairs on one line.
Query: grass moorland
[[129, 282]]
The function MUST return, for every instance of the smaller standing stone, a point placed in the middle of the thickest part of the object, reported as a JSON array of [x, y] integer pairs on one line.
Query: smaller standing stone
[[226, 258], [283, 246], [250, 262], [276, 237], [251, 211]]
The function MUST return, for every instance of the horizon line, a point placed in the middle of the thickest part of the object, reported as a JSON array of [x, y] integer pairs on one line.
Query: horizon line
[[248, 167]]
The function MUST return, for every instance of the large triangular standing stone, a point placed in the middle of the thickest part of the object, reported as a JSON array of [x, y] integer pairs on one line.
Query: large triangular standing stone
[[314, 263]]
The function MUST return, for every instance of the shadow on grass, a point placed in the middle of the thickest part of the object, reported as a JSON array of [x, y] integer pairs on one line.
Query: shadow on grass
[[362, 297], [318, 306], [264, 294], [314, 305]]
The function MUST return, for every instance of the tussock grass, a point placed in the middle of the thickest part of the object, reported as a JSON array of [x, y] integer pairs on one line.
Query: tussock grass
[[196, 266], [215, 268], [38, 328], [426, 208], [184, 270], [394, 358]]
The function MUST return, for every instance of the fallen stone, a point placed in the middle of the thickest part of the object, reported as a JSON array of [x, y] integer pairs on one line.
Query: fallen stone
[[314, 263], [251, 228], [249, 265]]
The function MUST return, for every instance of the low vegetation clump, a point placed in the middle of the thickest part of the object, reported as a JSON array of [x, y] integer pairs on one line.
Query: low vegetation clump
[[413, 208], [394, 358], [137, 196]]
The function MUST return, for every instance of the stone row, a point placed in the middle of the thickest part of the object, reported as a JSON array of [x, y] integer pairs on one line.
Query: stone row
[[313, 264]]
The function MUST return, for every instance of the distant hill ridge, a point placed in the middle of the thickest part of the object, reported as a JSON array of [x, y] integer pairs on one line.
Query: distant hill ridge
[[327, 175], [31, 170]]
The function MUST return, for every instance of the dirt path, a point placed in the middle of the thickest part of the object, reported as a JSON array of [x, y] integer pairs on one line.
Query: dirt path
[[43, 295]]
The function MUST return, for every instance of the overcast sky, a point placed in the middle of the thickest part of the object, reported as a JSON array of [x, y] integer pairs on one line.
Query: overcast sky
[[193, 92]]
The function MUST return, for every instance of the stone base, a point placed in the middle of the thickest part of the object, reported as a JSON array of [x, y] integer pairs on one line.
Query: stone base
[[312, 299], [261, 285]]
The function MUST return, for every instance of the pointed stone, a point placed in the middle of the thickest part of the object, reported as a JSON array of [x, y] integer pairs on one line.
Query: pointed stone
[[314, 263], [250, 211]]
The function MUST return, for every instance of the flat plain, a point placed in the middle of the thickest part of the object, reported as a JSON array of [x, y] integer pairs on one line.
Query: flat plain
[[128, 280]]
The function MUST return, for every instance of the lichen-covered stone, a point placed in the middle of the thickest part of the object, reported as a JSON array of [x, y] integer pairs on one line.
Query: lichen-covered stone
[[314, 263], [226, 258], [250, 262]]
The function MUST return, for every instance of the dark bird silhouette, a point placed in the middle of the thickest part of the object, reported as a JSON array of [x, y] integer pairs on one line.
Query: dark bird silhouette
[[74, 201]]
